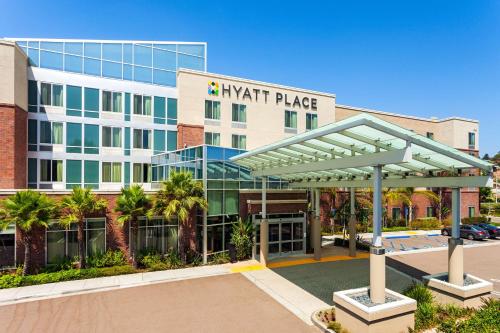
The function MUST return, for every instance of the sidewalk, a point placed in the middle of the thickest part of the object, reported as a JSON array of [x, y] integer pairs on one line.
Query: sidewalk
[[29, 293], [393, 234]]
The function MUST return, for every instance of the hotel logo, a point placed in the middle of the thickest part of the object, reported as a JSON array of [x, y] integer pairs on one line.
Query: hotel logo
[[213, 88]]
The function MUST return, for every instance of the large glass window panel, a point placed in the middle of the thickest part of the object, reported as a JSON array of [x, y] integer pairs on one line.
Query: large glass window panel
[[137, 173], [112, 69], [112, 51], [117, 137], [231, 201], [32, 172], [91, 139], [91, 102], [73, 173], [168, 47], [215, 199], [164, 59], [143, 74], [172, 110], [159, 141], [239, 113], [127, 72], [91, 177], [146, 105], [73, 138], [93, 50], [171, 140], [46, 95], [32, 134], [159, 110], [73, 100], [142, 55], [73, 48], [106, 136], [106, 172], [45, 170], [34, 57], [45, 132], [311, 121], [52, 46], [106, 97], [57, 95], [57, 171], [137, 104], [57, 133], [51, 60], [32, 93], [137, 138], [96, 242], [198, 50], [146, 139], [127, 53], [117, 102], [56, 246], [116, 172], [190, 62], [92, 66], [73, 63], [164, 78]]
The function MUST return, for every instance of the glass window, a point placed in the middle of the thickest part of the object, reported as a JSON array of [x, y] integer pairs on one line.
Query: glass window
[[93, 50], [172, 111], [430, 211], [73, 48], [146, 105], [32, 94], [142, 55], [73, 101], [51, 60], [91, 176], [157, 235], [73, 173], [112, 69], [57, 133], [57, 95], [159, 141], [142, 139], [164, 78], [164, 59], [143, 74], [212, 110], [73, 63], [127, 53], [45, 132], [137, 104], [239, 113], [52, 94], [191, 62], [91, 102], [46, 96], [311, 121], [117, 102], [92, 66], [472, 140], [171, 140], [112, 51], [197, 50], [52, 46], [396, 213], [239, 141], [106, 100], [111, 172], [32, 172], [127, 72], [159, 110], [141, 173], [32, 134], [73, 138], [472, 211], [51, 170], [430, 135], [212, 139], [111, 136], [91, 139], [291, 119]]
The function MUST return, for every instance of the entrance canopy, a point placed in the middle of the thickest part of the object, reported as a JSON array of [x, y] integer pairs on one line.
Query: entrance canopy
[[344, 154]]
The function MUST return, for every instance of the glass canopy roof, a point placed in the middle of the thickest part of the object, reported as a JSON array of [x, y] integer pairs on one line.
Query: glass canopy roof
[[344, 154]]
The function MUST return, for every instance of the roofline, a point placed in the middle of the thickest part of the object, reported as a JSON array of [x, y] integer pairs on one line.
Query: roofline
[[262, 83], [99, 41], [14, 45], [407, 116]]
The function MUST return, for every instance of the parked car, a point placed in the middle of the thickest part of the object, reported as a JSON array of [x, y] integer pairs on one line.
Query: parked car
[[493, 230], [468, 231]]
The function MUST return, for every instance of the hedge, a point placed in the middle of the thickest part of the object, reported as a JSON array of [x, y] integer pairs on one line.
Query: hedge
[[425, 223], [15, 280], [475, 219]]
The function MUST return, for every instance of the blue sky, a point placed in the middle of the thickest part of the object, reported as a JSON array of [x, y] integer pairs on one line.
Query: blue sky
[[423, 58]]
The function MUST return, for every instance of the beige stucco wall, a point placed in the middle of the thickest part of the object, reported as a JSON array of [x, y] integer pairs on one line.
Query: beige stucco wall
[[452, 132], [265, 120], [13, 75]]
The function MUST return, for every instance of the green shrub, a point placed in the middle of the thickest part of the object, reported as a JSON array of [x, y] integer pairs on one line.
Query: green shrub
[[173, 260], [242, 238], [194, 258], [485, 319], [10, 281], [156, 262], [425, 223], [475, 219], [419, 293], [108, 259], [219, 258], [425, 316]]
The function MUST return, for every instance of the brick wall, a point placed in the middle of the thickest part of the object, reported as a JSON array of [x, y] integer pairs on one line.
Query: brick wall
[[13, 147], [190, 135]]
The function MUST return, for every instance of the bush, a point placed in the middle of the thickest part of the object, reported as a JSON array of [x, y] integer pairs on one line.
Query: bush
[[15, 280], [242, 238], [108, 259], [156, 262], [475, 219], [484, 319], [425, 316], [419, 292], [425, 223], [219, 258]]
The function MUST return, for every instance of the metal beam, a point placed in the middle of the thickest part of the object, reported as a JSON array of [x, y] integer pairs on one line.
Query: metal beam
[[469, 181], [386, 157]]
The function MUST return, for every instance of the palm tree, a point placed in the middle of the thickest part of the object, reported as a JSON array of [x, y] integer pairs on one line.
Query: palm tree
[[179, 195], [131, 204], [405, 195], [27, 210], [75, 208]]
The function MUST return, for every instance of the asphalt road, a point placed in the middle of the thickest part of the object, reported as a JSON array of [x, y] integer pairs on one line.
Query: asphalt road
[[226, 303]]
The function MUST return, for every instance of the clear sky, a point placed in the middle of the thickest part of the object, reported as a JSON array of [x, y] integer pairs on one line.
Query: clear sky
[[422, 58]]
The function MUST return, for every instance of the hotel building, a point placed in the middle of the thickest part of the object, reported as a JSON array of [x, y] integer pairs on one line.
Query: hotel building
[[107, 114]]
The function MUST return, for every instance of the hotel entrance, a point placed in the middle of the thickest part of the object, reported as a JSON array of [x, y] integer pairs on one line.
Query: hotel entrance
[[287, 234]]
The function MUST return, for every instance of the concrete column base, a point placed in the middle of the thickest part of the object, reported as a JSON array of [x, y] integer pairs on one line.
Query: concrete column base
[[468, 295], [456, 261], [377, 274], [264, 241], [395, 316], [317, 238]]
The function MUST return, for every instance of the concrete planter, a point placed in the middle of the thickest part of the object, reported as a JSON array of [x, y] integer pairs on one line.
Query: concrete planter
[[319, 324], [468, 295], [394, 316]]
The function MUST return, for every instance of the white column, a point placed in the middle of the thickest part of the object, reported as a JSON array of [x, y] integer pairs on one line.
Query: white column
[[377, 252], [264, 226], [317, 226], [352, 224], [455, 243]]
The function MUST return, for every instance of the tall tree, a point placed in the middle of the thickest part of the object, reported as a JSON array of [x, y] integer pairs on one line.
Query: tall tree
[[27, 210], [405, 195], [131, 204], [177, 198], [75, 208]]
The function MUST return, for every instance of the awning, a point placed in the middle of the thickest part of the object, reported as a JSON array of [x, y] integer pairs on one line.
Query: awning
[[344, 153]]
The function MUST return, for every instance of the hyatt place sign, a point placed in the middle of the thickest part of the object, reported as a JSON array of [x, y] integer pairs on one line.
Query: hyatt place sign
[[255, 95]]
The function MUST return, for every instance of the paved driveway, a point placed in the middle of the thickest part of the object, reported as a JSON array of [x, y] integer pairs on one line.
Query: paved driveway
[[322, 279], [227, 303]]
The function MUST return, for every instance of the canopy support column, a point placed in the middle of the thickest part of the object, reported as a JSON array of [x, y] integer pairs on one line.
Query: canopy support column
[[377, 252], [317, 226], [352, 224], [455, 244], [264, 226]]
